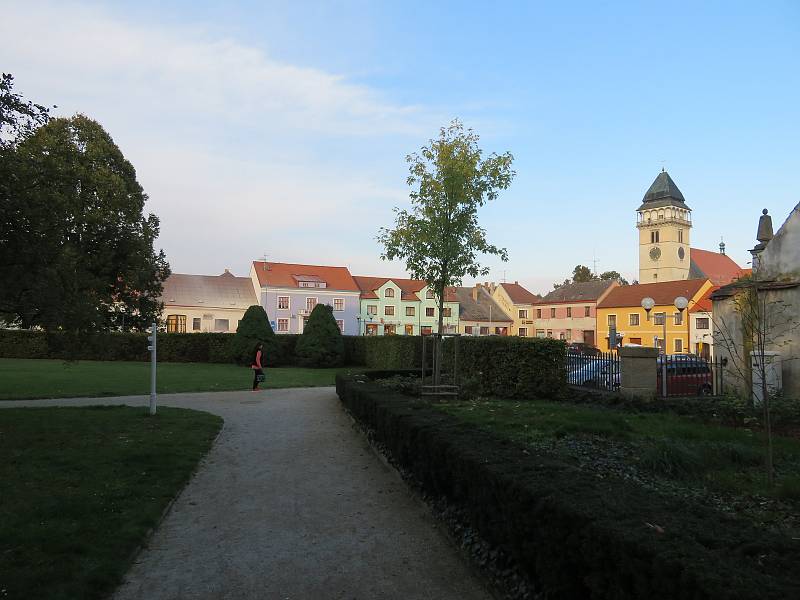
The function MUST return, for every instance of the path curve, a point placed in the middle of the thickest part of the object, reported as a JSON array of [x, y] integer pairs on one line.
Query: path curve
[[290, 503]]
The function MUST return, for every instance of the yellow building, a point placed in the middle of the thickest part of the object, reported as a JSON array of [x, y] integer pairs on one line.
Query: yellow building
[[517, 302], [622, 310]]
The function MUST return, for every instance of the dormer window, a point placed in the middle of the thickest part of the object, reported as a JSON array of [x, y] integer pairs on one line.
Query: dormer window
[[388, 293]]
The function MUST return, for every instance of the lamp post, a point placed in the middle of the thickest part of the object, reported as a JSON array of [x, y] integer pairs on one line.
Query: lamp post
[[680, 303]]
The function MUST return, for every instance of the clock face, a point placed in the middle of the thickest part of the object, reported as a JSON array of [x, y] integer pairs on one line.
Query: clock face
[[681, 253], [655, 253]]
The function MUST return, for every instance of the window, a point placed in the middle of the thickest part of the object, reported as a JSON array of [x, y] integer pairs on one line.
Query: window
[[523, 332], [221, 325], [523, 314], [680, 236], [468, 329], [410, 311], [587, 311], [701, 323], [372, 329], [429, 312], [176, 324], [678, 345], [283, 302], [196, 324], [654, 237], [562, 336], [678, 318], [338, 304], [447, 312], [538, 313], [549, 333], [637, 341], [569, 334], [429, 294], [427, 330], [409, 330], [552, 313], [310, 304], [340, 325], [569, 311], [612, 320], [633, 319], [540, 333], [388, 310], [372, 309], [388, 293], [389, 330], [283, 325], [659, 318], [484, 331]]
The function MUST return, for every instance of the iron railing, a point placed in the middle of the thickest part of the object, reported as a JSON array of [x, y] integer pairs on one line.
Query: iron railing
[[688, 375], [598, 371]]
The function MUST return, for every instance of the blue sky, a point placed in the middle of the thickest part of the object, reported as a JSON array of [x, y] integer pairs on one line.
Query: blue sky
[[282, 128]]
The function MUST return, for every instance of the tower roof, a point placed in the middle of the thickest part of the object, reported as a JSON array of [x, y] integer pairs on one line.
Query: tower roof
[[663, 192]]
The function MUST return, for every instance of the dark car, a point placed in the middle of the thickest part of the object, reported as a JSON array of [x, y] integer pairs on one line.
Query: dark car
[[687, 375]]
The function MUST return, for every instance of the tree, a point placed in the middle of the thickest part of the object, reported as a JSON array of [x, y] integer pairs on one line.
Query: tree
[[253, 328], [581, 274], [613, 276], [76, 250], [18, 117], [439, 238], [321, 344]]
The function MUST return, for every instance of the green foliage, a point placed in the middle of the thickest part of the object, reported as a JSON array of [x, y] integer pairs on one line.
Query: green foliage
[[18, 117], [440, 237], [321, 344], [582, 273], [671, 459], [254, 327], [84, 259], [384, 352]]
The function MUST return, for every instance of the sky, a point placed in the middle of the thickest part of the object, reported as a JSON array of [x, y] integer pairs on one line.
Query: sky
[[281, 129]]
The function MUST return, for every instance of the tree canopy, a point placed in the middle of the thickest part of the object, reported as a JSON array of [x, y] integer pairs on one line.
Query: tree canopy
[[582, 273], [439, 238], [76, 249], [321, 344], [253, 328]]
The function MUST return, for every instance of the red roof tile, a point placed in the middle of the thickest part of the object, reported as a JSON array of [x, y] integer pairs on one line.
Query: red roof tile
[[287, 274], [704, 303], [518, 294], [719, 268], [664, 293]]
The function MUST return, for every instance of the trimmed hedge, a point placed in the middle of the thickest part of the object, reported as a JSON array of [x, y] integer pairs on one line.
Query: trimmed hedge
[[384, 352], [510, 367], [575, 535]]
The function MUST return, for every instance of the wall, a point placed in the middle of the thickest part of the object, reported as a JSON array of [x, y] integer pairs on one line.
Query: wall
[[669, 266], [781, 257], [297, 301], [400, 320], [207, 315], [577, 324], [503, 299], [701, 335]]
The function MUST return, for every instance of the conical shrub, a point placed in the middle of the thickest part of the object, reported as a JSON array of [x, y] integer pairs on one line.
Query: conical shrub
[[253, 328], [321, 344]]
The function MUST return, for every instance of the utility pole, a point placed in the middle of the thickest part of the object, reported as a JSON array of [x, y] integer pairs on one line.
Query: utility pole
[[152, 347]]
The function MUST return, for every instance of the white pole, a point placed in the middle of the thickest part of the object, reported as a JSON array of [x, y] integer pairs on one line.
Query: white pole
[[153, 371]]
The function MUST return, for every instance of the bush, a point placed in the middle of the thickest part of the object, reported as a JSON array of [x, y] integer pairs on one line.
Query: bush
[[321, 343], [254, 328]]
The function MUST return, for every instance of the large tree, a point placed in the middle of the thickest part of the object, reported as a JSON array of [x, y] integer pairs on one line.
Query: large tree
[[76, 249], [440, 238]]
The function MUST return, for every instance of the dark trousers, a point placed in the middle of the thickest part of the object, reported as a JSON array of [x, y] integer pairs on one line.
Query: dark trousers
[[256, 373]]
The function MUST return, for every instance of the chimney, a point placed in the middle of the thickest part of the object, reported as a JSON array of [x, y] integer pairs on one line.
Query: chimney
[[475, 292], [516, 283]]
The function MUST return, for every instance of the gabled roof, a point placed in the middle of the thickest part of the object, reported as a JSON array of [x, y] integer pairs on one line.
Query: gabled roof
[[704, 303], [663, 192], [663, 292], [719, 268], [409, 288], [209, 291], [586, 291], [480, 309], [518, 294], [288, 275]]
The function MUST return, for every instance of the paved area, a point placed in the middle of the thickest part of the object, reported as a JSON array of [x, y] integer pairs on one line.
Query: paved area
[[291, 503]]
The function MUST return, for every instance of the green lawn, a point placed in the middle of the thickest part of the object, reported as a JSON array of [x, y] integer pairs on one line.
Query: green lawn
[[671, 454], [81, 488], [31, 378]]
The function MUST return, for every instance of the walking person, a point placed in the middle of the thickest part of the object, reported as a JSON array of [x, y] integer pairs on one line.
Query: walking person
[[258, 369]]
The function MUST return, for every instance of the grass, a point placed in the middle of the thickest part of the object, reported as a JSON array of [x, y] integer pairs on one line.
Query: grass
[[32, 378], [651, 445], [81, 489]]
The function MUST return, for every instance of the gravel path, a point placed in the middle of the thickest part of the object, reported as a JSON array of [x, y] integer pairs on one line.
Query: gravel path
[[291, 503]]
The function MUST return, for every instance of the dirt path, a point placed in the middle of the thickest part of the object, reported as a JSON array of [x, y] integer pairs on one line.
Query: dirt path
[[291, 503]]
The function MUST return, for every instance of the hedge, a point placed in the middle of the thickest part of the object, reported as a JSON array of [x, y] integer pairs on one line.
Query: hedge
[[384, 352], [575, 535]]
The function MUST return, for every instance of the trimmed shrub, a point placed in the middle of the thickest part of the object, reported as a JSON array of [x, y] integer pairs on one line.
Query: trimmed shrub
[[254, 328], [321, 344], [384, 352]]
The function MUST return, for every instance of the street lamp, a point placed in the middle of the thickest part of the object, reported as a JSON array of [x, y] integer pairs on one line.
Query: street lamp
[[680, 303]]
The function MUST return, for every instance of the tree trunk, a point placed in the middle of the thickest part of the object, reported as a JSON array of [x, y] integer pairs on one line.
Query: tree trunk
[[437, 375]]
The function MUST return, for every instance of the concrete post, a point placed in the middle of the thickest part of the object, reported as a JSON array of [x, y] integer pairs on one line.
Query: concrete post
[[638, 368]]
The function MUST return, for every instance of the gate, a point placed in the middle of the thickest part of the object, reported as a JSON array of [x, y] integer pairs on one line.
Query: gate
[[598, 371], [688, 375]]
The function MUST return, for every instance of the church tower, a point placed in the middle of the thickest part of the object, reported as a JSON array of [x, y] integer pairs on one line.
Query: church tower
[[664, 222]]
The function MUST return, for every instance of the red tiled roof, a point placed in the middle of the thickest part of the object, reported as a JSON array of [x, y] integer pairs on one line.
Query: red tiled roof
[[664, 293], [704, 303], [286, 275], [408, 287], [518, 294], [719, 268]]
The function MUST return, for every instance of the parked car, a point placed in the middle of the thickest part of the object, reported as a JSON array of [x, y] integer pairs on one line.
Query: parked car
[[596, 373], [687, 375], [581, 348]]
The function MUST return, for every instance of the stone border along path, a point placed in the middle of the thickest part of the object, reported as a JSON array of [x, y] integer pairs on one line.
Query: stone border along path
[[291, 503]]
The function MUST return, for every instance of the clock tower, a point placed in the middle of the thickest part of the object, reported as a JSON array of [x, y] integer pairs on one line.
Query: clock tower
[[664, 222]]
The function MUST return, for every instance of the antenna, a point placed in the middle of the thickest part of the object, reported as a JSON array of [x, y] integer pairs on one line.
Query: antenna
[[504, 276], [594, 263]]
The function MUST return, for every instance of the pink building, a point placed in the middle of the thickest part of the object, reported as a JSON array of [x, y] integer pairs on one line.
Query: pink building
[[569, 312]]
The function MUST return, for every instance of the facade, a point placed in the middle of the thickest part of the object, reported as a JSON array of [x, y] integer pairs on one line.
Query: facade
[[569, 312], [206, 303], [517, 302], [479, 313], [701, 332], [402, 307], [622, 310], [289, 292]]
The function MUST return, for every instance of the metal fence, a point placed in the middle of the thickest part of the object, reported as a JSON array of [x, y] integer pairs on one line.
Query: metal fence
[[598, 371], [688, 375]]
